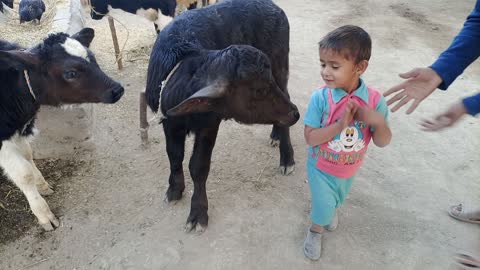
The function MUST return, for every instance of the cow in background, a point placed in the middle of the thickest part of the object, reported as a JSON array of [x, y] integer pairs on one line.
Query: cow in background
[[160, 12], [8, 3]]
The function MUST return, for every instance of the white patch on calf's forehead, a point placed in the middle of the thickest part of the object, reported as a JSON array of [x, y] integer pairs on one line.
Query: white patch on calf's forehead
[[75, 48]]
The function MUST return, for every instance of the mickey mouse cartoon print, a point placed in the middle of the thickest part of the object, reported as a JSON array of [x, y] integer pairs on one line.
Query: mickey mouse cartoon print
[[350, 139]]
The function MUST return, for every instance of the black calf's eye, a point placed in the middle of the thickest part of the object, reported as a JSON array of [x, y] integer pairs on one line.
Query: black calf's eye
[[70, 74], [260, 92]]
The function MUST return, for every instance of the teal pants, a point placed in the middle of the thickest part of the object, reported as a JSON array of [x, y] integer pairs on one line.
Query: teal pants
[[328, 193]]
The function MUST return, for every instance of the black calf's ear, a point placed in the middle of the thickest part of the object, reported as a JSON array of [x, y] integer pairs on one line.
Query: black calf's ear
[[193, 105], [205, 100], [85, 36], [18, 59]]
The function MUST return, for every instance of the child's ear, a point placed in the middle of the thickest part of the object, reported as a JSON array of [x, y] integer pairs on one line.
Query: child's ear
[[361, 67]]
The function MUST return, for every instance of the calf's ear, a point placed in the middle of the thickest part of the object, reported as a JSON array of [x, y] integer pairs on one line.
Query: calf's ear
[[205, 100], [85, 36], [18, 59]]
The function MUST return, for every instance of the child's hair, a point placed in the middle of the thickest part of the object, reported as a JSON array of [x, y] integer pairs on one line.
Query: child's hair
[[349, 40]]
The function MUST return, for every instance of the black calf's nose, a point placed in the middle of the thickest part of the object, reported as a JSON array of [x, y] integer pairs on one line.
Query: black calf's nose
[[295, 114], [117, 93], [119, 90]]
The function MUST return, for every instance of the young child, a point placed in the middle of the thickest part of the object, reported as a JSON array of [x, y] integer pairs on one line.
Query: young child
[[341, 118]]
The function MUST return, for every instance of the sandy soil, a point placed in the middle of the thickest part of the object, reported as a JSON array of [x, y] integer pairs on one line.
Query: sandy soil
[[111, 202]]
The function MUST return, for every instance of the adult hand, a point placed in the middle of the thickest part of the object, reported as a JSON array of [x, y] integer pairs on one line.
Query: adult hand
[[446, 119], [421, 82]]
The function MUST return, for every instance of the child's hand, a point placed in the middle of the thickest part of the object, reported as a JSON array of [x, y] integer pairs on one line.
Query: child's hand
[[446, 119], [347, 117], [369, 117]]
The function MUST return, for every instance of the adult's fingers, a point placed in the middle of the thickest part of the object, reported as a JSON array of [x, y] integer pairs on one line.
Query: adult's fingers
[[394, 89], [410, 74], [414, 106], [428, 125], [401, 103], [396, 98]]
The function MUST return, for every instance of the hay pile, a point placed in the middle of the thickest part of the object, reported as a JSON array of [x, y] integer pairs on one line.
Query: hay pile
[[29, 33]]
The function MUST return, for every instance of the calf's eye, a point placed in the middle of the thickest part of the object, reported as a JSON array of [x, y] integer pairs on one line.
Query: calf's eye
[[260, 92], [70, 74]]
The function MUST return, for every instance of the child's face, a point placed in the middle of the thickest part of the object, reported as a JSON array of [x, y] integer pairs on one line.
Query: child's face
[[340, 72]]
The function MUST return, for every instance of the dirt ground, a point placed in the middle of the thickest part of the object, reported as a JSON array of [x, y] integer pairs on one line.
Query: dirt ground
[[110, 200]]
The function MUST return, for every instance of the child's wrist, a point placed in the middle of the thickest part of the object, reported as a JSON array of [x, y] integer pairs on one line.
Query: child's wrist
[[339, 126]]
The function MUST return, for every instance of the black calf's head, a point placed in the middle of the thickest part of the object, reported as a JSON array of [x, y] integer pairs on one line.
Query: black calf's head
[[240, 85], [63, 70]]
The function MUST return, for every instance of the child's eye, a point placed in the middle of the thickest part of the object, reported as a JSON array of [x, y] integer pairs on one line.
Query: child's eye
[[335, 67], [322, 65]]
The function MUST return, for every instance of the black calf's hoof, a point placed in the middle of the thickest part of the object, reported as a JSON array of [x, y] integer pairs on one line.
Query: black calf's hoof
[[286, 170], [198, 221], [198, 228], [173, 195]]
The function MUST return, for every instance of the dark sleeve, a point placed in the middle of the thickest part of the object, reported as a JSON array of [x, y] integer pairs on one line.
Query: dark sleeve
[[472, 104], [464, 49]]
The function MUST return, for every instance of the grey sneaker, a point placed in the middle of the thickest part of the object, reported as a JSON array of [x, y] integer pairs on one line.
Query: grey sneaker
[[312, 247], [333, 226]]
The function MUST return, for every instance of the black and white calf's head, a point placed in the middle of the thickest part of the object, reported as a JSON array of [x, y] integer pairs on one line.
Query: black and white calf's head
[[237, 83], [62, 70]]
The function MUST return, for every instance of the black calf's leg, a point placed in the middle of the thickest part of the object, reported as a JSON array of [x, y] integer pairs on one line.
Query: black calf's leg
[[199, 168], [175, 139], [287, 162], [282, 134]]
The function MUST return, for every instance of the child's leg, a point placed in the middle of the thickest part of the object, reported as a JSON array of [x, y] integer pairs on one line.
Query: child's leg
[[323, 210], [324, 198], [343, 188]]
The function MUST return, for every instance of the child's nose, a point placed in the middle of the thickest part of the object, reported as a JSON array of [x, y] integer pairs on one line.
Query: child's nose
[[325, 72]]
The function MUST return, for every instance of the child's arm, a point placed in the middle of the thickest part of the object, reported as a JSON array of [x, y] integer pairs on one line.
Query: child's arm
[[382, 134], [317, 136]]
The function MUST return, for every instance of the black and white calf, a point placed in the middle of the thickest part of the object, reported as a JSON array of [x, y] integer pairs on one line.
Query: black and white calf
[[203, 78], [8, 3], [60, 70], [160, 12], [192, 4]]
